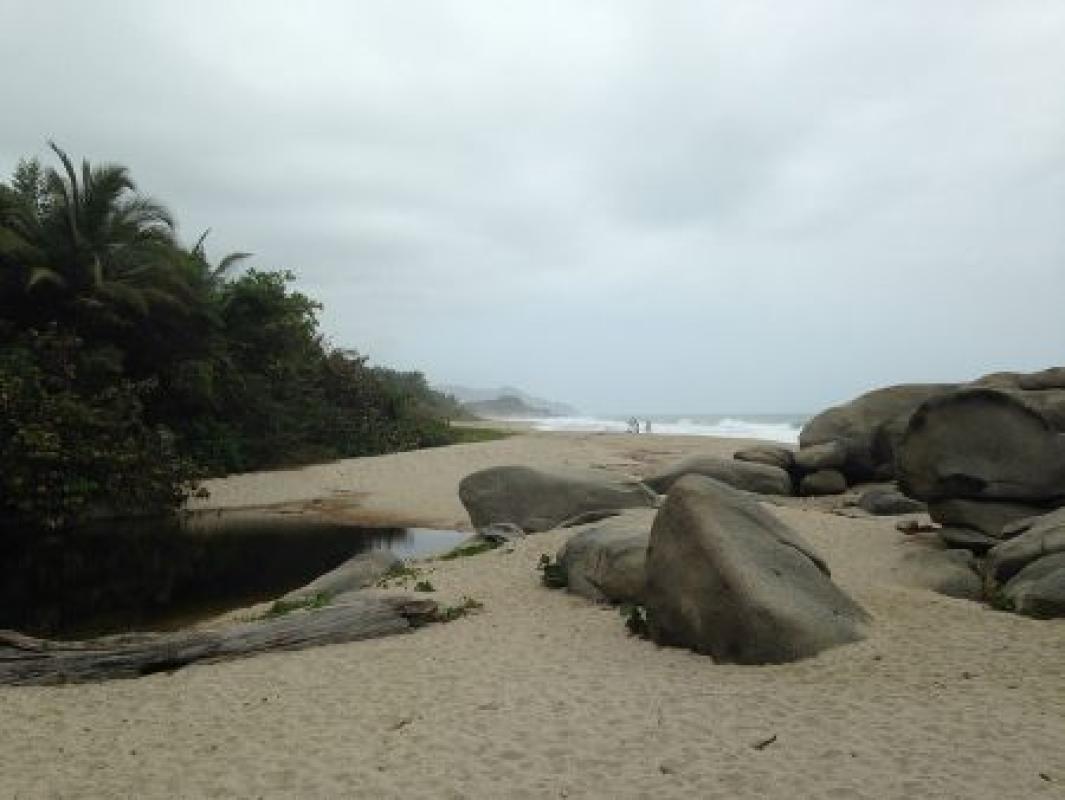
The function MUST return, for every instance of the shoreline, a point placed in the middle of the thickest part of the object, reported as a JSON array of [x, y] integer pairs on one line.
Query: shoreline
[[543, 694]]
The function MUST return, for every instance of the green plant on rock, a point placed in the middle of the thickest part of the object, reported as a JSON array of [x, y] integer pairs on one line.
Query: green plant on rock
[[998, 600], [553, 574], [424, 586], [473, 549], [635, 619], [281, 607], [398, 574], [451, 613]]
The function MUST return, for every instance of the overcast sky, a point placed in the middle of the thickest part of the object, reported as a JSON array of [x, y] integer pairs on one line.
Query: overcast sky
[[633, 207]]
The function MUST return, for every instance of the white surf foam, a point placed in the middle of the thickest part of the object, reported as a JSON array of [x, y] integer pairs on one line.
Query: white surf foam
[[786, 432]]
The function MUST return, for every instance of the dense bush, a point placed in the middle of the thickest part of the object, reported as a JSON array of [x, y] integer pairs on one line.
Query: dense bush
[[127, 358], [73, 440]]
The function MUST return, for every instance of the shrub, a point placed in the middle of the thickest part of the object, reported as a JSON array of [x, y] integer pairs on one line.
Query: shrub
[[73, 440]]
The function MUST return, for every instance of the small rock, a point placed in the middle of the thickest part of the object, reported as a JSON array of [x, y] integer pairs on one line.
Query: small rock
[[827, 455], [822, 482], [888, 502], [967, 539]]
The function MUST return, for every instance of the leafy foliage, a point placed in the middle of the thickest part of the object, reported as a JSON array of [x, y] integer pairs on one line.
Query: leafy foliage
[[280, 608], [73, 439], [462, 609], [636, 619], [127, 357], [554, 574]]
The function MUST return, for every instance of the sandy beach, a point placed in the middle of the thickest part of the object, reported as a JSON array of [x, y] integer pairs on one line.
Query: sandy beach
[[541, 694]]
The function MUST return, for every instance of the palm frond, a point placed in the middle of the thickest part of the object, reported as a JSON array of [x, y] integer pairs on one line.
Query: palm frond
[[228, 263], [40, 275], [71, 194]]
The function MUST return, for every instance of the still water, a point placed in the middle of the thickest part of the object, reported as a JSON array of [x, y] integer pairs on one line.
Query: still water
[[162, 574]]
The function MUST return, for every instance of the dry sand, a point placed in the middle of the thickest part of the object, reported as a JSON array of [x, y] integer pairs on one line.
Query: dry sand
[[542, 694]]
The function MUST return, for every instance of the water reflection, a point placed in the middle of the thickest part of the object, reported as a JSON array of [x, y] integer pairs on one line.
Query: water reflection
[[160, 574]]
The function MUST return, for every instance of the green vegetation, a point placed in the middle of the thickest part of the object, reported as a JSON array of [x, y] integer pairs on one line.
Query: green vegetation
[[554, 574], [474, 549], [998, 600], [131, 365], [281, 607], [398, 575], [465, 434], [451, 613], [424, 586], [635, 619]]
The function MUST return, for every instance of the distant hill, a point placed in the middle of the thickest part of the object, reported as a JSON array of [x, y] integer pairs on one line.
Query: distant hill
[[506, 401]]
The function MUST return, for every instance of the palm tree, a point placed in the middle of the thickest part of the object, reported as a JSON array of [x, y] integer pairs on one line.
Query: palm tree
[[92, 247]]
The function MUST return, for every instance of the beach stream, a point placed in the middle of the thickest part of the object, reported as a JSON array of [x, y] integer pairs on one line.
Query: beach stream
[[165, 574]]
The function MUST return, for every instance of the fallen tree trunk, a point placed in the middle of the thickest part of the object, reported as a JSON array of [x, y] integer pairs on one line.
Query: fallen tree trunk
[[25, 660]]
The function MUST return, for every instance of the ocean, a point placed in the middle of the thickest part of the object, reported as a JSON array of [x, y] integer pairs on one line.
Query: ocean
[[769, 427]]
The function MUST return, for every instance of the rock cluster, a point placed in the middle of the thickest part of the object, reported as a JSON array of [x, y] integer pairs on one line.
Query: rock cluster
[[869, 428], [992, 469], [715, 571]]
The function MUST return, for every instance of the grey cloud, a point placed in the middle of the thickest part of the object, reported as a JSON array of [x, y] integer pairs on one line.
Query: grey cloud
[[689, 206]]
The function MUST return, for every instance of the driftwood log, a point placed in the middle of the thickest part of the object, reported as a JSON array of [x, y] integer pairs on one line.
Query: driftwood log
[[25, 660]]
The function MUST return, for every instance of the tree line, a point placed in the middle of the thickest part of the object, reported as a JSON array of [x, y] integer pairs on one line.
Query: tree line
[[131, 365]]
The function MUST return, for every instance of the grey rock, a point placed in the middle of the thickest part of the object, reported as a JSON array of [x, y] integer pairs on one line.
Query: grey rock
[[358, 572], [728, 579], [825, 481], [967, 539], [981, 444], [867, 425], [987, 516], [780, 457], [1038, 590], [605, 561], [947, 572], [751, 477], [538, 500], [872, 425], [1052, 378], [1050, 404], [827, 455], [883, 501], [1032, 539]]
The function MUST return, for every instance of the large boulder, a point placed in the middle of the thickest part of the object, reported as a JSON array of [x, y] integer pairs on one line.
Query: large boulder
[[869, 425], [1032, 539], [1038, 590], [947, 572], [538, 500], [986, 516], [888, 501], [745, 475], [728, 579], [981, 444], [872, 425], [780, 457], [605, 561], [824, 481]]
